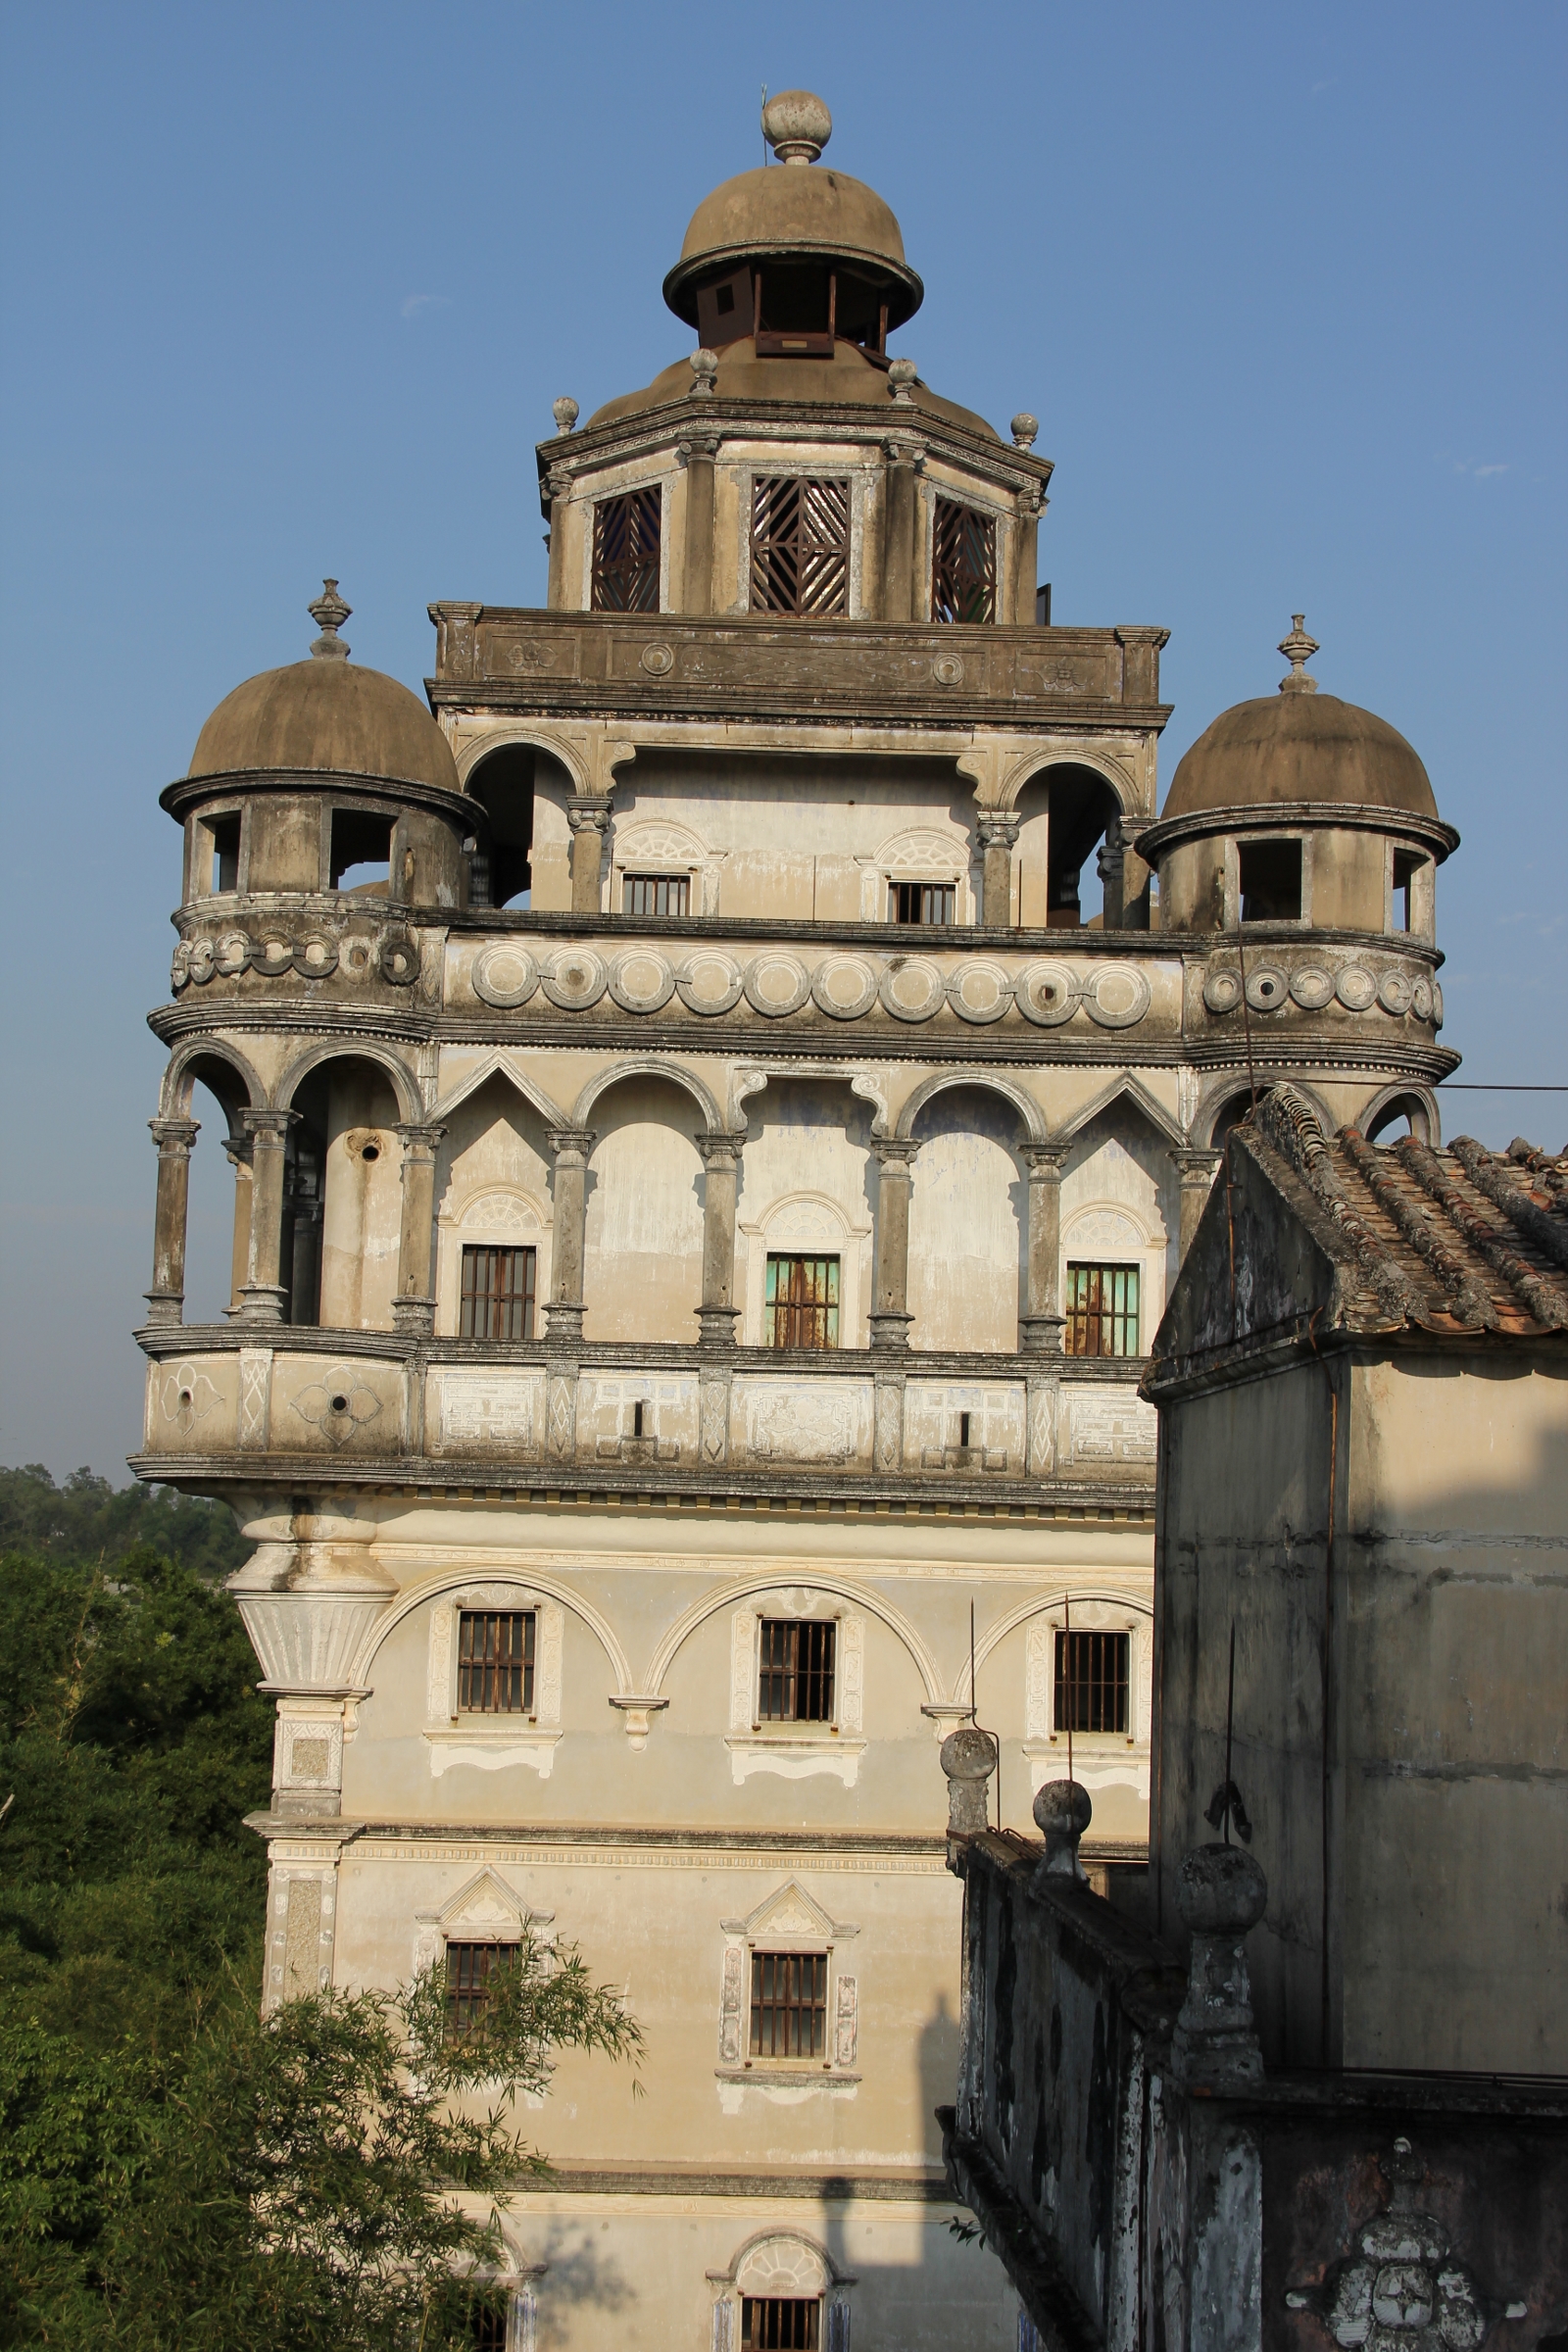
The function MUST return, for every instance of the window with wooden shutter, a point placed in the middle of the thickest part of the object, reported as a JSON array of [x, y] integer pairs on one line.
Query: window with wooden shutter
[[626, 552], [789, 2004], [498, 1294], [963, 563], [656, 893], [800, 1302], [921, 901], [781, 2322], [1101, 1310], [795, 1671], [799, 545], [1091, 1682], [495, 1661]]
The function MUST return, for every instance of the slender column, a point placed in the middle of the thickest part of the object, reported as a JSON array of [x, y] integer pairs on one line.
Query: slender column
[[999, 832], [263, 1291], [701, 451], [560, 500], [240, 1159], [589, 820], [1025, 556], [1196, 1170], [570, 1147], [1043, 1318], [898, 548], [166, 1300], [890, 1298], [414, 1307], [719, 1313], [1108, 865]]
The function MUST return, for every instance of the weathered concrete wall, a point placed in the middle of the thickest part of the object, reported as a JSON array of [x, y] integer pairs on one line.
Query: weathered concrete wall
[[643, 1264], [363, 1204]]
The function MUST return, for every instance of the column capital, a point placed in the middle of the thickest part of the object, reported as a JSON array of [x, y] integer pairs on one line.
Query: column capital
[[895, 1154], [589, 813], [715, 1148], [268, 1126], [1195, 1164], [419, 1142], [174, 1137], [1045, 1160], [698, 444], [567, 1143], [998, 828]]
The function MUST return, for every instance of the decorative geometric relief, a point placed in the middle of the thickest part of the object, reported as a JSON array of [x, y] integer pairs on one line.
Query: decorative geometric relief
[[1116, 996], [846, 2021], [714, 1419], [933, 856], [843, 985], [502, 1212], [1111, 1427], [549, 1630], [1038, 1673], [187, 1396], [563, 1423], [729, 2011], [505, 976], [1043, 1397], [708, 982], [438, 1685], [742, 1668], [851, 1672], [337, 1404], [808, 1219], [799, 1425], [889, 1424], [485, 1408], [255, 1389]]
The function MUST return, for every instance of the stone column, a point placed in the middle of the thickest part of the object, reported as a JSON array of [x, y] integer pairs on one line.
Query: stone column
[[1196, 1170], [701, 452], [560, 500], [999, 831], [589, 820], [1043, 1318], [1108, 865], [570, 1147], [899, 585], [717, 1314], [1026, 556], [263, 1291], [1222, 1894], [414, 1307], [240, 1159], [166, 1300], [890, 1315]]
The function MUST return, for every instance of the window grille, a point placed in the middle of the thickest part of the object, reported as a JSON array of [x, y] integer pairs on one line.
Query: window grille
[[474, 1975], [921, 901], [498, 1294], [1101, 1310], [799, 545], [802, 1302], [626, 552], [488, 2323], [789, 2004], [656, 893], [795, 1671], [495, 1661], [963, 563], [1091, 1682], [781, 2322]]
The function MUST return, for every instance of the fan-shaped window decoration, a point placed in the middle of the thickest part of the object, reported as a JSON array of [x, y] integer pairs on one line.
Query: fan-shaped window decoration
[[963, 563], [799, 545], [626, 552]]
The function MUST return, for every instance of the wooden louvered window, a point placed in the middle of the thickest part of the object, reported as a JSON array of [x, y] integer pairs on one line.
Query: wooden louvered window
[[781, 2322], [656, 893], [473, 1972], [921, 901], [799, 545], [626, 552], [1101, 1310], [1092, 1690], [801, 1307], [963, 563], [795, 1671], [495, 1661], [498, 1294], [789, 2004]]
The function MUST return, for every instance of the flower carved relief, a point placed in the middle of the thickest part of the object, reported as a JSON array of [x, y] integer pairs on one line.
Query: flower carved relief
[[187, 1396], [337, 1404]]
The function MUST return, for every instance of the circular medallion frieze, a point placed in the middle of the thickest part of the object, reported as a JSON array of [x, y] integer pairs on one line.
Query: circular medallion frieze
[[179, 966], [659, 660], [911, 990], [1267, 988], [201, 962], [776, 984], [232, 954], [709, 983], [1394, 994], [575, 979], [505, 976], [947, 669], [1222, 990], [1355, 988], [1117, 994], [1421, 999], [1047, 994], [1436, 1005], [356, 957], [315, 956], [843, 985], [641, 981], [1312, 986], [272, 956], [979, 992], [398, 954]]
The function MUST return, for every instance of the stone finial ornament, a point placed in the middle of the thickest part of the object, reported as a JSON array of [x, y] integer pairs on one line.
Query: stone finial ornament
[[564, 412], [705, 370], [901, 377], [796, 125], [1024, 429], [1297, 649], [1221, 1893], [1063, 1810], [329, 613], [968, 1758]]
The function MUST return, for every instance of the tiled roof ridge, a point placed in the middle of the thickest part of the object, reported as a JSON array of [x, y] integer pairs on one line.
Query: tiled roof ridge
[[1288, 1125], [1468, 1301], [1546, 1300], [1538, 1225]]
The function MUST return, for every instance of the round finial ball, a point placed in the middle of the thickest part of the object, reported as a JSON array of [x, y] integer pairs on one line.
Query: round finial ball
[[1220, 1891], [903, 375], [564, 412], [1063, 1807], [968, 1754], [704, 367], [1024, 429], [796, 125]]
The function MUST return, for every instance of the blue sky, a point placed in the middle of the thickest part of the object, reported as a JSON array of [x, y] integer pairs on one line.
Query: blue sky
[[289, 290]]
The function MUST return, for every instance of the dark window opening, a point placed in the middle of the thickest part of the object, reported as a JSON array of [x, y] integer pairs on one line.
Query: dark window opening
[[921, 901], [626, 577], [656, 893], [964, 1430], [474, 1975], [487, 2321], [780, 2322], [1271, 881], [495, 1661], [498, 1294], [724, 311], [802, 1302], [1091, 1682], [860, 314], [1082, 806], [362, 852], [1101, 1310], [1406, 866], [304, 1201], [223, 834], [637, 1418], [799, 545], [796, 302], [963, 563], [1230, 1116], [789, 2004], [795, 1671], [1043, 606], [503, 786]]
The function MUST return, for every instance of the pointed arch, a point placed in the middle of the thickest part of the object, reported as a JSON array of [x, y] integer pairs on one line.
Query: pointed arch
[[1417, 1104], [1132, 1090], [1234, 1088], [502, 1064], [1028, 1110], [649, 1066]]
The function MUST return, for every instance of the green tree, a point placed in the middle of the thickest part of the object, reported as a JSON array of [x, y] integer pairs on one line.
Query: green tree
[[87, 1519]]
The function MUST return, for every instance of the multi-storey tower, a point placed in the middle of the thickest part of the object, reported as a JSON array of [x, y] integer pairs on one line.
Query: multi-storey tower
[[704, 1181]]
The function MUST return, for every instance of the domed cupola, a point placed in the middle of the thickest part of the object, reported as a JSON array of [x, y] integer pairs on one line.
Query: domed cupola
[[1298, 809]]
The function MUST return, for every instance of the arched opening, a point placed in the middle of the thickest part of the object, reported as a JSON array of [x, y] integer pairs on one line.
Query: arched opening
[[968, 1219], [493, 1187], [342, 1197], [1120, 1226], [500, 866], [1230, 1112], [1066, 812], [217, 1217], [643, 1235], [1400, 1116], [804, 1212]]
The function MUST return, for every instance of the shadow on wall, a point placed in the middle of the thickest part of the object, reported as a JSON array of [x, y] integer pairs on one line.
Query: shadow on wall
[[577, 2276]]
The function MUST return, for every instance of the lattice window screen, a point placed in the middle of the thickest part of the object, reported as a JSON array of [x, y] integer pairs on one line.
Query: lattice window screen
[[963, 563], [626, 552], [799, 545]]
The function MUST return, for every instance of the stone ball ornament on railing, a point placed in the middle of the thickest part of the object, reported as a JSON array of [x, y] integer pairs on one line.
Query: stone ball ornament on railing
[[1222, 1894], [968, 1758], [1063, 1810]]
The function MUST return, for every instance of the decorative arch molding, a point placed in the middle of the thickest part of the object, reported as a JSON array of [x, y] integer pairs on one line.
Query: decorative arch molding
[[657, 844], [1101, 1596], [1232, 1088], [838, 1587], [405, 1083], [493, 1207], [649, 1066], [486, 1572], [805, 2249], [1035, 764], [1406, 1098], [181, 1075], [1028, 1110], [1134, 1091], [506, 738], [501, 1065], [1077, 1218]]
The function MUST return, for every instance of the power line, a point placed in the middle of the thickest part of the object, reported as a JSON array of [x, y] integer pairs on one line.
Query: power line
[[1492, 1085]]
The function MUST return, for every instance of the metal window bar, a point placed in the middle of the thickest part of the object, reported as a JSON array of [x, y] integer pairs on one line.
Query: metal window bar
[[922, 902], [799, 545], [963, 563], [795, 1671], [656, 893], [781, 2322], [627, 530], [1101, 1310], [1091, 1682], [789, 2004], [802, 1302], [495, 1661], [487, 2321], [498, 1294], [472, 1972]]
